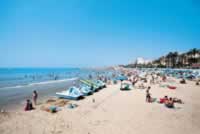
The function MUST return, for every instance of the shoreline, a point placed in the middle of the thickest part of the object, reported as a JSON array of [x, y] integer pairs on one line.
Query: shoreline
[[39, 83], [18, 94], [45, 91]]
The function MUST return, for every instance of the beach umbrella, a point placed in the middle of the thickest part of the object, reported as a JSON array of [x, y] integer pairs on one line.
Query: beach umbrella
[[121, 78]]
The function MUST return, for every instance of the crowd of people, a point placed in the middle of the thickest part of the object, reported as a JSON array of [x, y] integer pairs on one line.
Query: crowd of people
[[154, 78], [136, 81]]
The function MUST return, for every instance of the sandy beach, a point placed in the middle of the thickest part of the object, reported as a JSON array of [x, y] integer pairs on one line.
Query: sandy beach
[[99, 67], [113, 111]]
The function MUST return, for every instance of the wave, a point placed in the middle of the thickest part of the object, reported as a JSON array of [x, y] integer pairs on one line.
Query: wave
[[52, 81], [41, 83]]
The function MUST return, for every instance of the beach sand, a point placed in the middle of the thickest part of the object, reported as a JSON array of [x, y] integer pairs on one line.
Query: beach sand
[[114, 112]]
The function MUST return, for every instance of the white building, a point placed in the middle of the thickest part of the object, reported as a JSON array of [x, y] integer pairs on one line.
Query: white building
[[141, 60]]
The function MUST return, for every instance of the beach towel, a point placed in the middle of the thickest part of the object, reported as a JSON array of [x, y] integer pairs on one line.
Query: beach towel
[[172, 87], [162, 100]]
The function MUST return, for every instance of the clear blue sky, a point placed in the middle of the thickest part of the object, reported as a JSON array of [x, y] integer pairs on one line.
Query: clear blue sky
[[60, 33]]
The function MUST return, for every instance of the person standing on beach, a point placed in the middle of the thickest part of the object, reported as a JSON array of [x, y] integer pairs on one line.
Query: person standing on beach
[[148, 95], [35, 97]]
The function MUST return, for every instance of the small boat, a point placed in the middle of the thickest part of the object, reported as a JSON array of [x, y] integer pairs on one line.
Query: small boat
[[72, 93], [100, 84], [86, 90], [92, 86]]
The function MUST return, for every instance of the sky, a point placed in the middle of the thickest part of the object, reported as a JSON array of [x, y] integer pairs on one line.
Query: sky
[[89, 33]]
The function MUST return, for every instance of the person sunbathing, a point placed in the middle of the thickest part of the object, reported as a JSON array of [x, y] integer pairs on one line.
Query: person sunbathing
[[141, 86], [163, 100], [169, 103], [176, 100], [183, 81], [197, 83]]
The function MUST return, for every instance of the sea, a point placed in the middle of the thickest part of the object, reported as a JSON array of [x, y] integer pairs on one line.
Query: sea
[[17, 84]]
